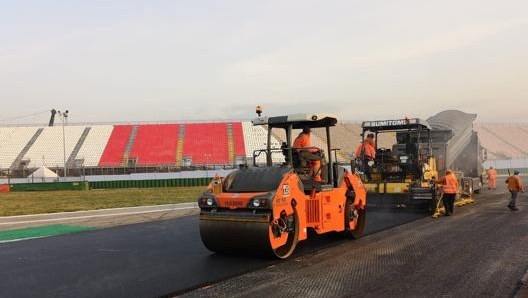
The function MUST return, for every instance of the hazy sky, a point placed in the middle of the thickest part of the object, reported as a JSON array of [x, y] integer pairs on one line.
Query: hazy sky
[[130, 60]]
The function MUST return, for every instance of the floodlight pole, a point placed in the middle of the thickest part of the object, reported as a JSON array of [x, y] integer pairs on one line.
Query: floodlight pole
[[64, 118]]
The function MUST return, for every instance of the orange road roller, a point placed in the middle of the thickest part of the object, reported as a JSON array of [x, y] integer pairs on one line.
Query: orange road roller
[[267, 207]]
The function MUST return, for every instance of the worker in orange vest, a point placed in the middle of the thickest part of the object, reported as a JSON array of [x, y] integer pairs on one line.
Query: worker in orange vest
[[514, 186], [366, 153], [303, 144], [492, 178], [449, 189]]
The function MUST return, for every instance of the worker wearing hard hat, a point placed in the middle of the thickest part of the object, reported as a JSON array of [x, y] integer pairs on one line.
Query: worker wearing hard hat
[[449, 190], [514, 186], [303, 144]]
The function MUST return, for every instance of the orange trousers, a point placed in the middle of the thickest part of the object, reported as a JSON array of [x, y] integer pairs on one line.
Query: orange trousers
[[492, 182]]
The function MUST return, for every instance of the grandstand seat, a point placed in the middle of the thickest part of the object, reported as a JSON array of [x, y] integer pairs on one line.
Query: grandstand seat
[[12, 142], [94, 144], [155, 145], [116, 146], [53, 145], [206, 143], [238, 138]]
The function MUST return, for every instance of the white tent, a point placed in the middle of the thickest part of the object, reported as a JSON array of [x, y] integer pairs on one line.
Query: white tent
[[44, 173]]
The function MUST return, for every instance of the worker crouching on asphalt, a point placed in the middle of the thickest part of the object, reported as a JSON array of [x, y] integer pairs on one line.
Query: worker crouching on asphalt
[[303, 144], [514, 186], [449, 189]]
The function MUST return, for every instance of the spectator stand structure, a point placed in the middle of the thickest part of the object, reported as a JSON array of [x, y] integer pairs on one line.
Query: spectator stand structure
[[112, 149]]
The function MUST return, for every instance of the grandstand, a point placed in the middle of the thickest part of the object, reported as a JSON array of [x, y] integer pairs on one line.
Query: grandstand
[[504, 140], [90, 153], [255, 139], [14, 141], [171, 147]]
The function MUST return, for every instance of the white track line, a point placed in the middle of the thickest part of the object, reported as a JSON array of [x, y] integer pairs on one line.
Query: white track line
[[93, 215]]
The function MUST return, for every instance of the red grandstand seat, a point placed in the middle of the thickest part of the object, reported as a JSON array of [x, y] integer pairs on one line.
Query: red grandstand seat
[[116, 146], [155, 144], [238, 138], [206, 143]]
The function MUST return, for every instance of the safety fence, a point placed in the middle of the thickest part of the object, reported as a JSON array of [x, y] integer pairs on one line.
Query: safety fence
[[81, 185], [86, 185], [180, 182]]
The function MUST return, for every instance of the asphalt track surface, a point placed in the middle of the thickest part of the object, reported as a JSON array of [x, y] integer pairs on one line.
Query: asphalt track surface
[[481, 251]]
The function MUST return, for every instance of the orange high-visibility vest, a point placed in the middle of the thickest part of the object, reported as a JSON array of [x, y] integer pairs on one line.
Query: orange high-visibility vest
[[450, 184], [514, 183], [369, 150], [302, 142]]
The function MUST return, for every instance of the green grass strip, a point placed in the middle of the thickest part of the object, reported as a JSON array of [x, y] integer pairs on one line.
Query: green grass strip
[[38, 202], [44, 231]]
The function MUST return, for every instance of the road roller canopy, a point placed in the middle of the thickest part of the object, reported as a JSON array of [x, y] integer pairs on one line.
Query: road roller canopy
[[298, 121], [395, 125]]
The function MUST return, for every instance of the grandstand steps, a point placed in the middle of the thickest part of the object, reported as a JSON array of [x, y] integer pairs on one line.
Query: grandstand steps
[[230, 143], [77, 148], [131, 140], [179, 146], [124, 160], [522, 129], [53, 146], [93, 146], [26, 148], [115, 146], [238, 144]]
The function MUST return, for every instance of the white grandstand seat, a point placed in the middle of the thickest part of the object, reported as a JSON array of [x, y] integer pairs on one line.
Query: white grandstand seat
[[346, 137], [12, 141], [94, 144], [256, 138], [48, 148], [503, 140], [520, 137]]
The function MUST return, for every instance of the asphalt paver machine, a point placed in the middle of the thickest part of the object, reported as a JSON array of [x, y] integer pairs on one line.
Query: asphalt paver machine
[[402, 174]]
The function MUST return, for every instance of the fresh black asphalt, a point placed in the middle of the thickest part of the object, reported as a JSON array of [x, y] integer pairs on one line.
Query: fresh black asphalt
[[166, 258]]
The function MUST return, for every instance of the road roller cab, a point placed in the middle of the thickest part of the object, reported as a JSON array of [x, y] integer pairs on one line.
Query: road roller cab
[[268, 207]]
